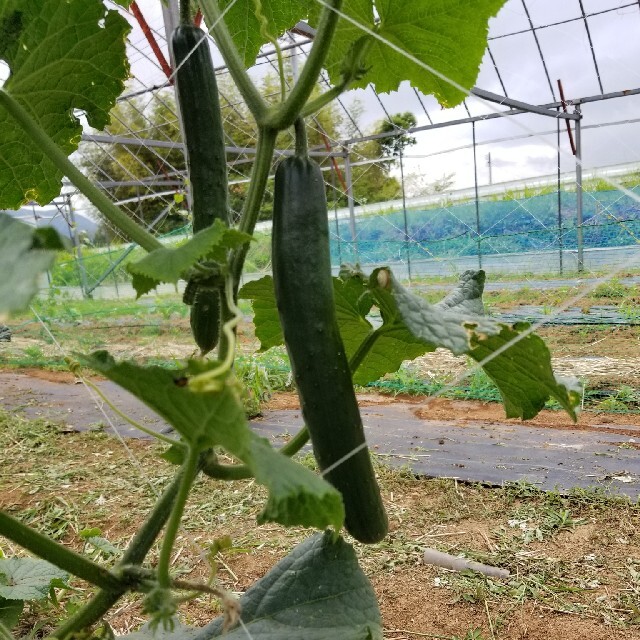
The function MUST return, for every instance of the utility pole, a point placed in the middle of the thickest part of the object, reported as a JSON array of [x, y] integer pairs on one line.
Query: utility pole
[[489, 165]]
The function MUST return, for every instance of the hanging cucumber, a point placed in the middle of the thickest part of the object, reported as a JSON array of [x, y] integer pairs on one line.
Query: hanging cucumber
[[304, 295], [197, 93]]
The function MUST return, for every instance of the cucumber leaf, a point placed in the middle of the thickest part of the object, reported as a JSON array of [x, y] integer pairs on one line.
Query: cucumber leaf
[[25, 253], [387, 347], [170, 265], [28, 578], [205, 419], [265, 312], [317, 592], [62, 56], [297, 496], [520, 362], [244, 26], [10, 612], [449, 36]]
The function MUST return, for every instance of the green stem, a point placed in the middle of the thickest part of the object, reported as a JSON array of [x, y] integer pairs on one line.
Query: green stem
[[134, 554], [323, 100], [363, 349], [234, 62], [53, 152], [57, 554], [242, 471], [258, 182], [189, 471], [301, 137], [185, 12], [285, 114], [88, 615]]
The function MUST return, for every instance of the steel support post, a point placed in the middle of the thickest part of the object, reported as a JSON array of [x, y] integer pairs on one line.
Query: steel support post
[[350, 201], [579, 211], [475, 183]]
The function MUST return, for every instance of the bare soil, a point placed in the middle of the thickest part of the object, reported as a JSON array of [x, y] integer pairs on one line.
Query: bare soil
[[416, 601]]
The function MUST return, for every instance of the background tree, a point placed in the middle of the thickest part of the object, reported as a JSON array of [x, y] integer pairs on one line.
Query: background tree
[[372, 179], [398, 123], [109, 164]]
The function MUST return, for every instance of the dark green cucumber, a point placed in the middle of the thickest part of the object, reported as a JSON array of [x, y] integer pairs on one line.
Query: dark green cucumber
[[304, 294], [199, 103], [205, 319]]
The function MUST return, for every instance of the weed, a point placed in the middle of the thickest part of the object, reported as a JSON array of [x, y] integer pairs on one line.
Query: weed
[[612, 289], [34, 352], [255, 381], [472, 634]]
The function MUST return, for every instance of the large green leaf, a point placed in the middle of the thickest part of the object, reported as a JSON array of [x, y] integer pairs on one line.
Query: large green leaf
[[62, 56], [353, 302], [25, 253], [169, 265], [265, 312], [205, 419], [28, 578], [387, 347], [392, 344], [520, 363], [317, 592], [202, 419], [297, 496], [449, 36], [244, 26]]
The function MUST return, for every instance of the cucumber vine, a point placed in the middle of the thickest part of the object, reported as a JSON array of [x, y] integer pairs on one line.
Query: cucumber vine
[[201, 400]]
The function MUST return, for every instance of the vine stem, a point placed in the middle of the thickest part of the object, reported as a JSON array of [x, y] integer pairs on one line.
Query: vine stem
[[284, 115], [362, 350], [258, 181], [234, 62], [323, 100], [189, 470], [185, 12], [301, 137], [135, 553], [58, 157], [57, 554]]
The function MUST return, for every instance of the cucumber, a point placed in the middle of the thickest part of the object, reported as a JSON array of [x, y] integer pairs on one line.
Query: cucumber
[[201, 117], [304, 295], [205, 319]]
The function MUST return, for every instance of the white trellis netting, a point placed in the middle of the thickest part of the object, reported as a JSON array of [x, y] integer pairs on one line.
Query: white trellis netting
[[513, 202]]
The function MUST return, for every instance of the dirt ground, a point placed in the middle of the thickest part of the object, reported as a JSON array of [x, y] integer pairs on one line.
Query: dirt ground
[[416, 601]]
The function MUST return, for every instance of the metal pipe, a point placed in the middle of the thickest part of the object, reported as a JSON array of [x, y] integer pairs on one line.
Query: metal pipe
[[477, 196], [350, 202], [579, 212], [491, 116], [78, 249], [404, 216], [559, 198]]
